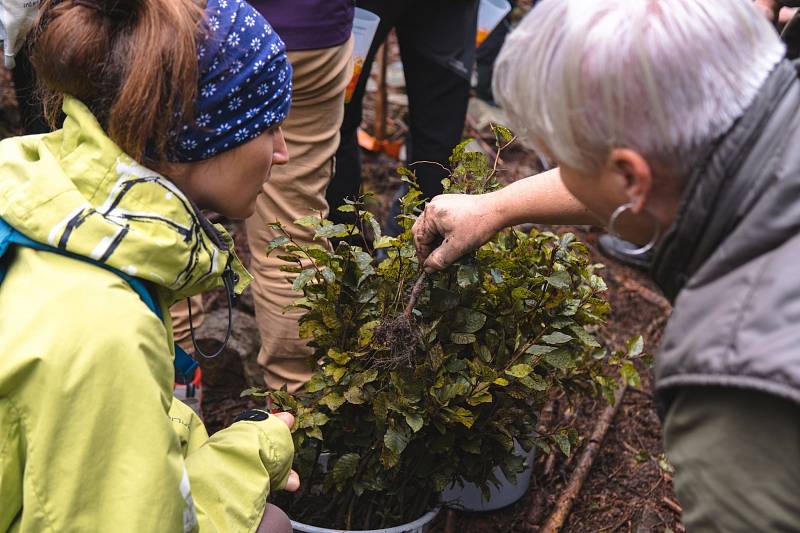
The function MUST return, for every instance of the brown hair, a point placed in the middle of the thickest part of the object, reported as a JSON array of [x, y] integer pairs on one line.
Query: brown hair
[[132, 62]]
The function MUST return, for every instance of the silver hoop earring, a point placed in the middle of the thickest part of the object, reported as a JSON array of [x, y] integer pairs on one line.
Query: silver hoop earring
[[643, 249]]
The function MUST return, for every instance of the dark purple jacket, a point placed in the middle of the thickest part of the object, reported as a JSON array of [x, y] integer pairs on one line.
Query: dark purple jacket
[[309, 24]]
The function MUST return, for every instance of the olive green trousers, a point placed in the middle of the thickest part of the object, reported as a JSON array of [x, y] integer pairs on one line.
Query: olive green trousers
[[736, 455]]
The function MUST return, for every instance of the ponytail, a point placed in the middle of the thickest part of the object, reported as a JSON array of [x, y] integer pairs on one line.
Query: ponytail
[[132, 62]]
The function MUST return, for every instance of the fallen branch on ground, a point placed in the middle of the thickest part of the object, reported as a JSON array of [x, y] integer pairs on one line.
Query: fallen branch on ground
[[564, 504]]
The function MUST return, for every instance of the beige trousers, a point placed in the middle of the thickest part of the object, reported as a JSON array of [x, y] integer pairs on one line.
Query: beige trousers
[[180, 321], [293, 191]]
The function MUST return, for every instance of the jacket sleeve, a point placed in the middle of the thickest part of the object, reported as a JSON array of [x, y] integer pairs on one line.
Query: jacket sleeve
[[232, 473], [93, 399], [248, 458]]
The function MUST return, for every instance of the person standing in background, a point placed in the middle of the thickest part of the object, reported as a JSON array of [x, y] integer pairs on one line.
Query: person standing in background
[[437, 47], [317, 34]]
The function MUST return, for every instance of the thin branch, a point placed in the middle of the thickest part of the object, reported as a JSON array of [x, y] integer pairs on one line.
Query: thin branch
[[573, 488]]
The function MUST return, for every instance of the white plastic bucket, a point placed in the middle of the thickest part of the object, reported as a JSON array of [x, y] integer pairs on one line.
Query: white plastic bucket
[[490, 13], [470, 498], [417, 526], [365, 24]]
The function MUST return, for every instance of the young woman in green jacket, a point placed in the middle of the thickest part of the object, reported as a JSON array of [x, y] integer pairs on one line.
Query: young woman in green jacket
[[164, 108]]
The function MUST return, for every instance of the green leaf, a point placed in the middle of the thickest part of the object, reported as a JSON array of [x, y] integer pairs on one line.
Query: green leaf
[[468, 320], [364, 262], [535, 382], [334, 231], [462, 338], [467, 276], [355, 396], [368, 376], [345, 469], [347, 208], [336, 372], [584, 336], [443, 300], [277, 242], [414, 421], [502, 134], [366, 331], [519, 371], [395, 440], [538, 349], [332, 401], [560, 279], [497, 276], [664, 464], [521, 293], [562, 441], [462, 416], [597, 283], [309, 221], [253, 391], [303, 278], [315, 384], [501, 381], [556, 338], [385, 241], [635, 346], [380, 407], [642, 457], [484, 353], [480, 397], [328, 275], [631, 376], [337, 355], [559, 359]]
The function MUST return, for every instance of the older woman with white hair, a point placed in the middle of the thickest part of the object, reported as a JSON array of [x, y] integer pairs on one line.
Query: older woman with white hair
[[674, 123]]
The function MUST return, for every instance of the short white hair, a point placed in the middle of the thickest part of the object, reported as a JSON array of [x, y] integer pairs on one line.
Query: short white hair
[[662, 77]]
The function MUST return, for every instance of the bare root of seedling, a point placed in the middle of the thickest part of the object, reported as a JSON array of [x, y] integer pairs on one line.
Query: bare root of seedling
[[401, 334]]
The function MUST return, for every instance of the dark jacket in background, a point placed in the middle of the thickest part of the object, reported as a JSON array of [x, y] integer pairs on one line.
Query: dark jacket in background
[[309, 24], [731, 261]]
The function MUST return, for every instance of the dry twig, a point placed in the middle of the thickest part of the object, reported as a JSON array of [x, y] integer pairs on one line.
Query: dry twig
[[673, 505], [564, 504]]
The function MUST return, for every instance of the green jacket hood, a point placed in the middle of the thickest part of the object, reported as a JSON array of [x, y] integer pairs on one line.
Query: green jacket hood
[[76, 190]]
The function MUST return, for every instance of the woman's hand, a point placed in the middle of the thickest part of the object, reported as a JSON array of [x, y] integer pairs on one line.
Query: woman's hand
[[293, 483], [453, 225]]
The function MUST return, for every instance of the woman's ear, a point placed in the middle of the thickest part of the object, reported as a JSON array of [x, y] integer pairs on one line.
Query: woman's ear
[[636, 173]]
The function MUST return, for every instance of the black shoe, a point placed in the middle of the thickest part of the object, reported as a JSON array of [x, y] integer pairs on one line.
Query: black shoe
[[619, 249]]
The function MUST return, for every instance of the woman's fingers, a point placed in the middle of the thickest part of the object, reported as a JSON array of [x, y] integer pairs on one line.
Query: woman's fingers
[[293, 483], [287, 418]]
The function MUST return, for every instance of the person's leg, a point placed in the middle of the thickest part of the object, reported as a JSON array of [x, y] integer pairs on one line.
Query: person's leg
[[296, 190], [737, 459], [274, 521], [346, 182], [180, 321], [438, 100]]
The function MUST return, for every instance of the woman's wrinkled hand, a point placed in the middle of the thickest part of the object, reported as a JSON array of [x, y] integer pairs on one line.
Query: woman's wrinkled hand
[[293, 483], [452, 226]]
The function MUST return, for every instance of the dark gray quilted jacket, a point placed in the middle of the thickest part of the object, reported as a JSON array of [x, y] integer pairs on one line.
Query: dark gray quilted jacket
[[731, 262]]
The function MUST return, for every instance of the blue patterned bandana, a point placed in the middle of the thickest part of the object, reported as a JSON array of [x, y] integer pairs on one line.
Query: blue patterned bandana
[[245, 82]]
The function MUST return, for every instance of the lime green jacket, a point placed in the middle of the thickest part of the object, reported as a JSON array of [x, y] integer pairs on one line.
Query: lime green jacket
[[90, 436]]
